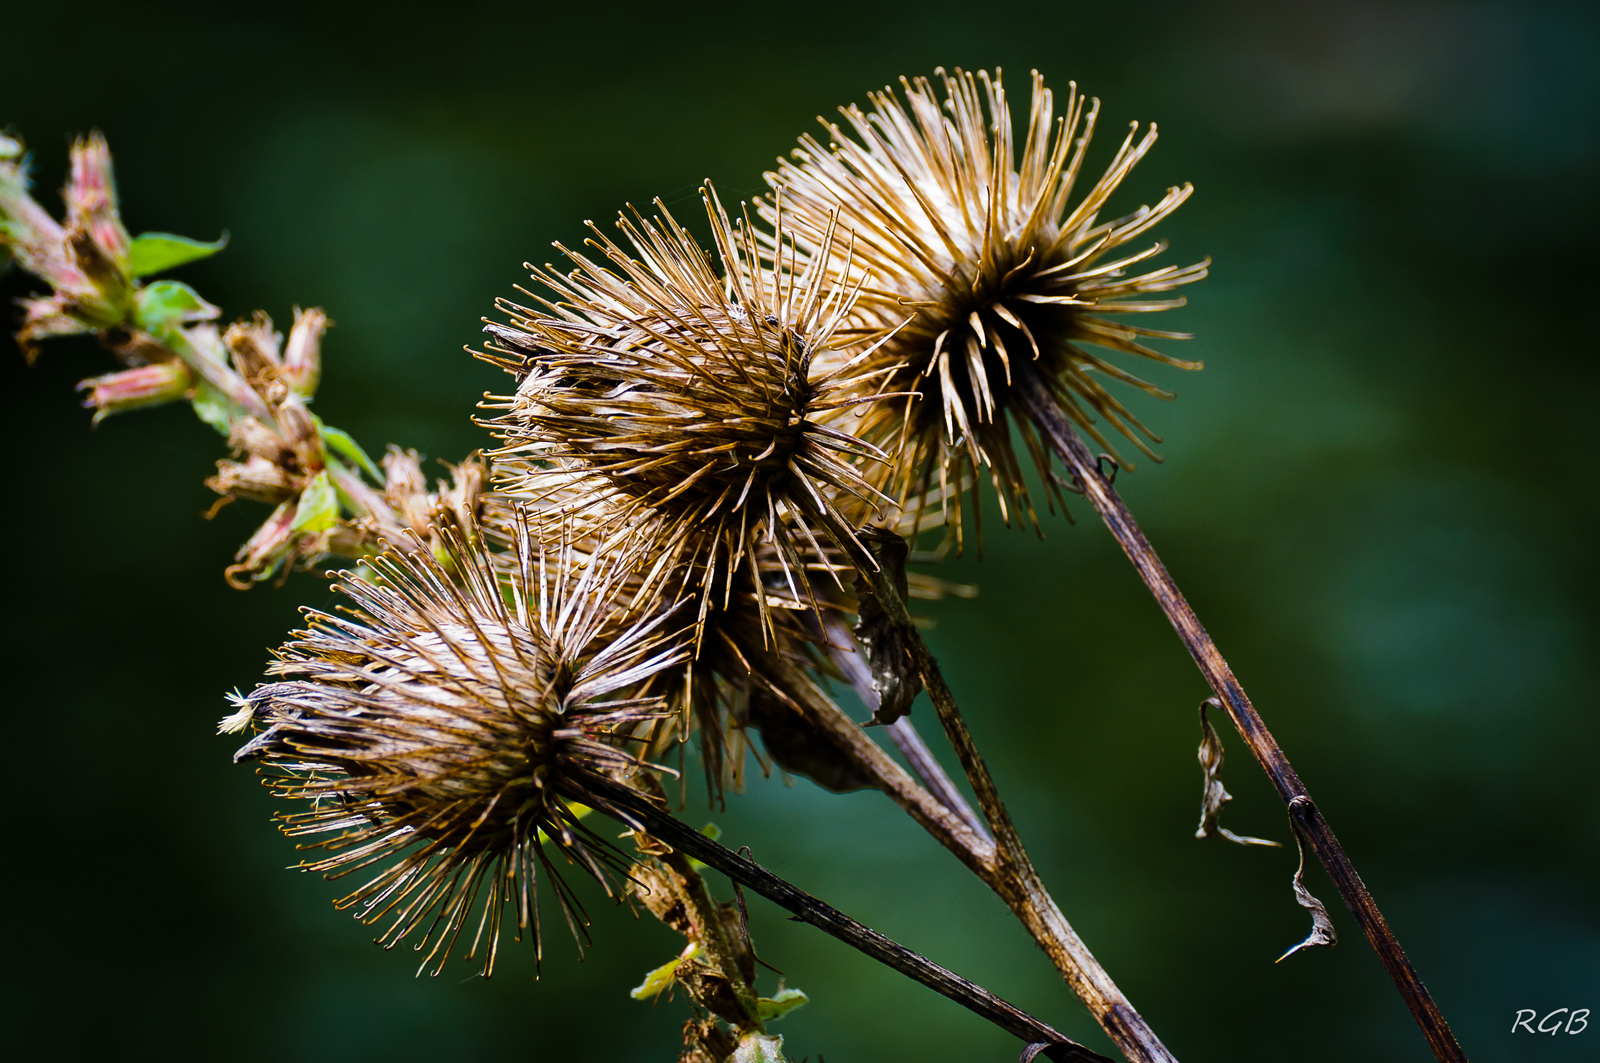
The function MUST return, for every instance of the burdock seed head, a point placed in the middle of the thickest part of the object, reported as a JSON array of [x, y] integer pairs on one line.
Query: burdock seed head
[[444, 727], [1008, 274], [695, 409]]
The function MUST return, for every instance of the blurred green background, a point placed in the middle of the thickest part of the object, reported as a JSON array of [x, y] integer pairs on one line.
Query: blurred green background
[[1377, 495]]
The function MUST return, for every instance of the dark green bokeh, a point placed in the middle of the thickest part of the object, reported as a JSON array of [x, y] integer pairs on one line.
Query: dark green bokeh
[[1377, 495]]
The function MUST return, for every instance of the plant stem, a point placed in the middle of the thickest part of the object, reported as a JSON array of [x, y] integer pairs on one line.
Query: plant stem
[[847, 655], [704, 916], [790, 682], [1086, 474], [1017, 882], [830, 920], [915, 749]]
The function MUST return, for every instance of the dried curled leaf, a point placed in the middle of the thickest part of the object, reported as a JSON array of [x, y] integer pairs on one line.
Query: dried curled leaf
[[1214, 797], [1322, 932], [894, 674], [802, 748]]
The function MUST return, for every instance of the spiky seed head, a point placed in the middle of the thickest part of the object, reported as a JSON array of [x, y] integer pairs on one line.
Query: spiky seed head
[[1008, 273], [683, 404], [443, 729], [506, 519]]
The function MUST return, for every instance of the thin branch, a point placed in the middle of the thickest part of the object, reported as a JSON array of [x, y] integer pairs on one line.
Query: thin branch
[[1085, 471], [688, 888], [1018, 883], [847, 655], [915, 749], [830, 920], [973, 849]]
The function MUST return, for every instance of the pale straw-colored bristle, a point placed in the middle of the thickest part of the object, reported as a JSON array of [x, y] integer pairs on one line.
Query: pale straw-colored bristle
[[1007, 274], [443, 729], [697, 409]]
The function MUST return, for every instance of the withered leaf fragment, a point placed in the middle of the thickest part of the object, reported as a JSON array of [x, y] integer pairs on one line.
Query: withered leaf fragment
[[1322, 932], [704, 1041], [800, 747], [894, 674], [1214, 797]]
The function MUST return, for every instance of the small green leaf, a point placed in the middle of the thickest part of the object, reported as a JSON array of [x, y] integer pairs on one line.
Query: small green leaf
[[341, 443], [154, 252], [318, 510], [780, 1003], [165, 304], [660, 980]]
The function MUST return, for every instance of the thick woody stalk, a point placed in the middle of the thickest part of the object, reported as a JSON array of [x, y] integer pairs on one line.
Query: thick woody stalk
[[915, 749], [947, 827], [1009, 873], [1086, 475], [830, 920], [1015, 879]]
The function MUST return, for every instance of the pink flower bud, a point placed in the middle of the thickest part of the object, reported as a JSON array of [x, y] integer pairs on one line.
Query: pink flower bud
[[254, 347], [45, 318], [302, 358], [28, 230], [250, 436], [406, 489], [300, 431], [91, 196], [148, 385], [272, 544]]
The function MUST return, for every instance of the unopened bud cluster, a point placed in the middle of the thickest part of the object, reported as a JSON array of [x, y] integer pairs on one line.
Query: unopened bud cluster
[[246, 382]]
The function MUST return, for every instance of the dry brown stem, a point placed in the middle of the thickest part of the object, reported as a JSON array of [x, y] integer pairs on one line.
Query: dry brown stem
[[1088, 478], [808, 909], [1014, 877], [904, 733], [676, 894]]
